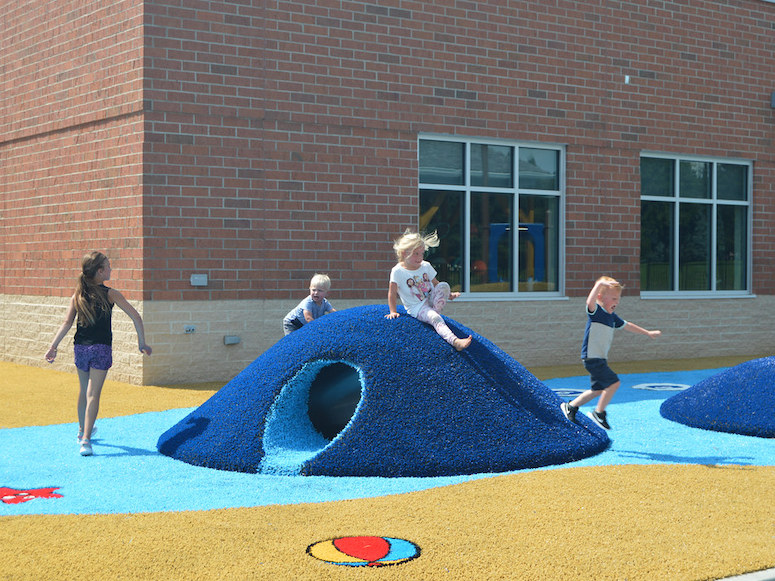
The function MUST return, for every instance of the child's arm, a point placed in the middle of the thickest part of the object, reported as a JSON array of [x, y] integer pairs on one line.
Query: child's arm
[[307, 315], [633, 328], [593, 294], [392, 301], [452, 296], [124, 305], [51, 354]]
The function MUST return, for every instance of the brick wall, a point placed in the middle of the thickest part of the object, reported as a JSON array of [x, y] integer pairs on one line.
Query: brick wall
[[280, 138], [282, 135], [260, 141], [71, 133]]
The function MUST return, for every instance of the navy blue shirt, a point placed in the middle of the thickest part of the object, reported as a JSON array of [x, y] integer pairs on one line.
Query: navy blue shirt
[[599, 333]]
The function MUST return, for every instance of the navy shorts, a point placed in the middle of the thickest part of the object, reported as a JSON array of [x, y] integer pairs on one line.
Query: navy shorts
[[602, 376], [93, 357]]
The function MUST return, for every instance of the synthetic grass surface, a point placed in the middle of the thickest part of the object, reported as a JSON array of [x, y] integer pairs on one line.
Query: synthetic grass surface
[[707, 516], [622, 522]]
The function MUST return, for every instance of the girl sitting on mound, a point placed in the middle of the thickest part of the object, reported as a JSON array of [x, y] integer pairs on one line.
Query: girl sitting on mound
[[414, 281]]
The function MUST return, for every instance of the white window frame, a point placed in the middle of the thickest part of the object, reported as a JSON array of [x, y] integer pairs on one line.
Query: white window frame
[[468, 189], [714, 203]]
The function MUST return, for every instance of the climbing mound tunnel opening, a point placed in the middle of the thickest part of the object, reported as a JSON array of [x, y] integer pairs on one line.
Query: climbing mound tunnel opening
[[311, 410], [333, 397]]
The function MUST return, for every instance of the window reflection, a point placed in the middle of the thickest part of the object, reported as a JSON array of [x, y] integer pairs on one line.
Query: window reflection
[[695, 179], [694, 247], [656, 246], [731, 271], [441, 162], [708, 249], [491, 243], [491, 166], [539, 169], [442, 211], [539, 251], [500, 232]]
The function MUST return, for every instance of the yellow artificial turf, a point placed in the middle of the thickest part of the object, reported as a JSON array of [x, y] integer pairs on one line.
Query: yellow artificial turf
[[650, 522]]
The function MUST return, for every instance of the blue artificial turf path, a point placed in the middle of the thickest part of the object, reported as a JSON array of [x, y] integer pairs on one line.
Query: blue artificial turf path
[[128, 475]]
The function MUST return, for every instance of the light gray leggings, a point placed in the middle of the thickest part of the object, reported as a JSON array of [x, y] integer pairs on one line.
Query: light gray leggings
[[429, 313]]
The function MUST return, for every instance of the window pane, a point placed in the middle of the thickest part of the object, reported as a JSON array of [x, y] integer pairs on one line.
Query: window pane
[[443, 212], [492, 166], [694, 247], [539, 169], [656, 246], [657, 177], [731, 237], [491, 243], [732, 182], [441, 162], [695, 179], [539, 240]]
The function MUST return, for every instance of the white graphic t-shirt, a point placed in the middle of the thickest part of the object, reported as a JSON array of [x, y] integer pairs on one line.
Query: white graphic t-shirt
[[413, 285]]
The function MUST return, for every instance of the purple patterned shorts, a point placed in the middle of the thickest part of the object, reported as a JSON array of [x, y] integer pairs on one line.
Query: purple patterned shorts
[[93, 356]]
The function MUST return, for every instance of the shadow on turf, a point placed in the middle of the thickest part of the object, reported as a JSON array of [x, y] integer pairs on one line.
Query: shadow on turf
[[672, 458], [126, 450]]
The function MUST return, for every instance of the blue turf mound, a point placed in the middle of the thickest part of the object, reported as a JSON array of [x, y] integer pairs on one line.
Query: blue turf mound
[[739, 400], [355, 394]]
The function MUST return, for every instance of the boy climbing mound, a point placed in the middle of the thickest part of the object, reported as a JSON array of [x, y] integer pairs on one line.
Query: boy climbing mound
[[598, 336]]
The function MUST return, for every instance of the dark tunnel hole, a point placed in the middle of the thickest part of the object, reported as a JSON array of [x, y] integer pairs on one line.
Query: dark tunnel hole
[[333, 397]]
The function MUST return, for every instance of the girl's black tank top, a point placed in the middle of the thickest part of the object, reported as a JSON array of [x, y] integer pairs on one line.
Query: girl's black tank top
[[100, 333]]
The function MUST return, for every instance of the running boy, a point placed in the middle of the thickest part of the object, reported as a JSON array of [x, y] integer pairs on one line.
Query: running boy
[[598, 336], [314, 306]]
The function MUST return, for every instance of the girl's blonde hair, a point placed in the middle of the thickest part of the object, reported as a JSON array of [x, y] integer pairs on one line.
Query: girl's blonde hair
[[88, 295], [321, 280], [411, 240]]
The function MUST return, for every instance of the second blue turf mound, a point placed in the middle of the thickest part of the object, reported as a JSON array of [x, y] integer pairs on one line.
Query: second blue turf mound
[[738, 400]]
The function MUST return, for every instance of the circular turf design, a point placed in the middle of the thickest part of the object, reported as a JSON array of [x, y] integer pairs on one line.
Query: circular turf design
[[355, 394], [738, 400]]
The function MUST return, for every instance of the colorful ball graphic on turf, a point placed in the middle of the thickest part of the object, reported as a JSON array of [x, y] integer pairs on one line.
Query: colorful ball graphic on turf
[[364, 551]]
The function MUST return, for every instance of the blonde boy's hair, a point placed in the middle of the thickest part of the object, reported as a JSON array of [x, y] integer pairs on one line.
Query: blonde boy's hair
[[321, 280], [611, 284], [411, 240]]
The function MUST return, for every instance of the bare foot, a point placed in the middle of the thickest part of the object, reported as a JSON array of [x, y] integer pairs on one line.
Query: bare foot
[[461, 344]]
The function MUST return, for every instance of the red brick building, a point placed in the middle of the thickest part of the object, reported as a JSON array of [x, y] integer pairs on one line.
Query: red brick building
[[259, 142]]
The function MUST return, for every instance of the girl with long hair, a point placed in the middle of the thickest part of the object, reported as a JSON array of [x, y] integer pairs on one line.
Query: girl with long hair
[[92, 305]]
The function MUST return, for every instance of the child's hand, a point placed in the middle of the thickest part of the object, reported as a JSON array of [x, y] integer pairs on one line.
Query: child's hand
[[654, 334], [453, 296], [391, 316], [145, 349], [51, 354]]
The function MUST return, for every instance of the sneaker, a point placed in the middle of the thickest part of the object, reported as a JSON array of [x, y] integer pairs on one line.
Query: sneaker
[[80, 434], [569, 411], [86, 448], [599, 419]]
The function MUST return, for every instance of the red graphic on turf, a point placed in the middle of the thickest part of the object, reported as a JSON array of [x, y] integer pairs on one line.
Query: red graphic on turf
[[369, 549], [14, 496], [365, 551]]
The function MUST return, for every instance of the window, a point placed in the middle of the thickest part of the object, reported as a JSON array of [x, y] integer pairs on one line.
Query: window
[[496, 208], [695, 224]]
